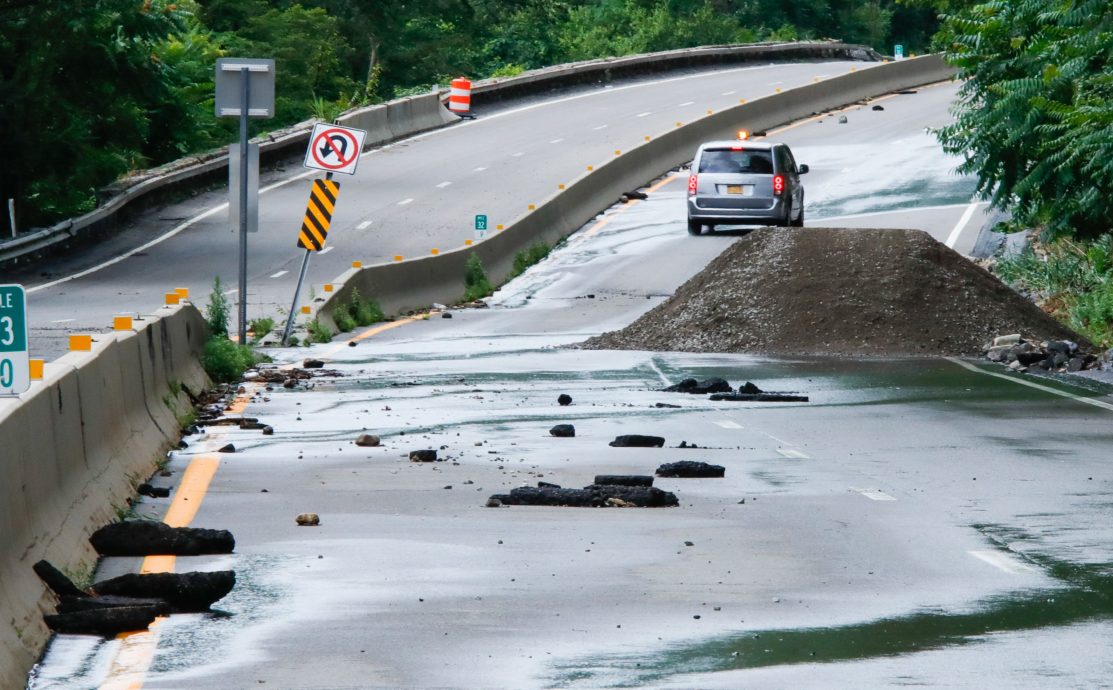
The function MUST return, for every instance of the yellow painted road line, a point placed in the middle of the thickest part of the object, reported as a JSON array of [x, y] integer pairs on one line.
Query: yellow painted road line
[[137, 649]]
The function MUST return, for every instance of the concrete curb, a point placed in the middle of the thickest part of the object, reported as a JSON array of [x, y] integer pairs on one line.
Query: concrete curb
[[415, 284], [395, 120], [75, 446]]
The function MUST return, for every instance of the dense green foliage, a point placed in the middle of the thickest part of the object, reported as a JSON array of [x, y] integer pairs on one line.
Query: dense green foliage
[[92, 90], [528, 257], [1035, 119], [226, 361], [476, 283], [364, 312], [216, 314], [319, 332]]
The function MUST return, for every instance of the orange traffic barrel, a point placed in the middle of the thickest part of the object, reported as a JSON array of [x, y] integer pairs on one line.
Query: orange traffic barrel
[[459, 98]]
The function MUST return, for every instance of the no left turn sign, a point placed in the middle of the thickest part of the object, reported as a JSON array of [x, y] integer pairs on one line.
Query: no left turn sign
[[334, 149]]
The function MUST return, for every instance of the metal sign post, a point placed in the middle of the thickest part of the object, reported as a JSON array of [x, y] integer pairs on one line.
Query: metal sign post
[[15, 366], [244, 89]]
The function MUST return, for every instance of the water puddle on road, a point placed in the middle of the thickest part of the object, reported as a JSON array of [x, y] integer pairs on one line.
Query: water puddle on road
[[1084, 594]]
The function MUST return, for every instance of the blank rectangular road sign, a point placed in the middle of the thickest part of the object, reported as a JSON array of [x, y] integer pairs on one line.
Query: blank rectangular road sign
[[15, 371], [229, 87]]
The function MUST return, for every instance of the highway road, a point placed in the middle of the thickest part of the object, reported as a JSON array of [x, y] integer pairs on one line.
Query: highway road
[[919, 522], [406, 199]]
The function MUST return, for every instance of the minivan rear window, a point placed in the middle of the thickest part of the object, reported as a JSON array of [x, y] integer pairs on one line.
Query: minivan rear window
[[732, 161]]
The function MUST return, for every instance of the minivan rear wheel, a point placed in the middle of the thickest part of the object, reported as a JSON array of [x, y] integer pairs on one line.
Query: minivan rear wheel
[[799, 222], [694, 227]]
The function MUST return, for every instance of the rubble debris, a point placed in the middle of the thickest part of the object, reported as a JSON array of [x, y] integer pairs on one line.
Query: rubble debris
[[146, 489], [623, 480], [308, 520], [694, 469], [312, 364], [290, 383], [760, 296], [594, 496], [637, 441], [56, 580], [666, 405], [1021, 354], [564, 400], [693, 387], [563, 430], [426, 455], [878, 107], [106, 622], [87, 603], [494, 503], [191, 592], [759, 397], [268, 431], [148, 538], [446, 315], [548, 485], [368, 441], [228, 448]]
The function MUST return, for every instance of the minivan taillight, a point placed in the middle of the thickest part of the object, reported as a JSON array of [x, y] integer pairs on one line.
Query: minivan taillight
[[693, 182], [778, 184]]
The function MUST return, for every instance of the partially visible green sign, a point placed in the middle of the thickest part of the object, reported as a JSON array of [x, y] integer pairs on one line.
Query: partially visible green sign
[[15, 373], [898, 51]]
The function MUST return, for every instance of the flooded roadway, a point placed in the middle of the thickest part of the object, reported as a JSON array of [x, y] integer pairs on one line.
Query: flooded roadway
[[915, 523]]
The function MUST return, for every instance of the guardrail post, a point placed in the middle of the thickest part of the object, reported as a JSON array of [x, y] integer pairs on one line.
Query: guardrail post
[[11, 215]]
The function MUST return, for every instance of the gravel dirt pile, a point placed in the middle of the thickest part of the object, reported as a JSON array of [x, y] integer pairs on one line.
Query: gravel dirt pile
[[836, 291]]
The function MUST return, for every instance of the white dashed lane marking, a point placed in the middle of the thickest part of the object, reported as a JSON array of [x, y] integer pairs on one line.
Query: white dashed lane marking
[[326, 250], [403, 202], [875, 494], [364, 225], [729, 93], [686, 103], [480, 169], [643, 114], [279, 274], [727, 424], [444, 184], [789, 453], [599, 127], [557, 141]]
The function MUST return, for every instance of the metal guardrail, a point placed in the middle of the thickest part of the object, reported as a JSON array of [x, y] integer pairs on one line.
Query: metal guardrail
[[403, 117]]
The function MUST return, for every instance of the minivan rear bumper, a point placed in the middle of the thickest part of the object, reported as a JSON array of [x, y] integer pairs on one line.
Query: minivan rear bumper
[[738, 216]]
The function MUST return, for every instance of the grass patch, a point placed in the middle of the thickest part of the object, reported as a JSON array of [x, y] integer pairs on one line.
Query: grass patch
[[319, 332], [260, 328], [476, 282], [364, 312], [1070, 280], [342, 317], [216, 314], [226, 361], [528, 257]]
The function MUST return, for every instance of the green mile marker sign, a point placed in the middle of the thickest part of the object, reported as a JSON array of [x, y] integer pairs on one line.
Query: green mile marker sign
[[15, 371]]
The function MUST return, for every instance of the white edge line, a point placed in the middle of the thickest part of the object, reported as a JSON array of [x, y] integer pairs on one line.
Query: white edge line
[[1047, 389], [953, 237], [660, 373]]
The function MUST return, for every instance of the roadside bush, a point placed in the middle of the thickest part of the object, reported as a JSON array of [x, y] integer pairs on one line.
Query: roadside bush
[[216, 314], [343, 319], [319, 332], [261, 327], [476, 282], [225, 361], [1093, 314], [528, 257], [364, 312]]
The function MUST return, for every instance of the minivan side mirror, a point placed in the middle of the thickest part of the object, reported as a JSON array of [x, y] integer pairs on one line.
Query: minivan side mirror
[[801, 169]]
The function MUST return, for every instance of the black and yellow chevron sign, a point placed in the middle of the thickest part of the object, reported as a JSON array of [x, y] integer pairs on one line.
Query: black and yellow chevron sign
[[318, 215]]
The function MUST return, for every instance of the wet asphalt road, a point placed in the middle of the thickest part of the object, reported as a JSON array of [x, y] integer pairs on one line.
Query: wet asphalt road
[[915, 523]]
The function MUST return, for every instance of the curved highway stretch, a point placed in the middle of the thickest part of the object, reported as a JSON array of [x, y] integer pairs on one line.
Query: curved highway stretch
[[407, 199], [911, 507]]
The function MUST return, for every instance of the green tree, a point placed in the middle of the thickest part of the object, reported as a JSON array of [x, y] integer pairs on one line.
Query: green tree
[[1034, 120]]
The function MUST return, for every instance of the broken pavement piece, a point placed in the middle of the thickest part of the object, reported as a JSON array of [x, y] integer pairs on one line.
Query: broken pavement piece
[[56, 580], [192, 592], [594, 496], [694, 387], [106, 622], [564, 400], [690, 469], [312, 364], [427, 455], [758, 397], [150, 538], [637, 441], [623, 480], [368, 440], [145, 489], [563, 431], [308, 520]]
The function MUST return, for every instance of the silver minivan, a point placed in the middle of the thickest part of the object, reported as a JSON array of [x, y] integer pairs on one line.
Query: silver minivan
[[744, 183]]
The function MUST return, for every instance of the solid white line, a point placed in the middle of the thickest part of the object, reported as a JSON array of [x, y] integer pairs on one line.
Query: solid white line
[[727, 424], [480, 169], [326, 250], [953, 237], [875, 494], [557, 141], [789, 453], [403, 202], [364, 225], [444, 184], [279, 274], [643, 114], [660, 374], [1003, 562], [910, 209], [1015, 378], [686, 103], [599, 127]]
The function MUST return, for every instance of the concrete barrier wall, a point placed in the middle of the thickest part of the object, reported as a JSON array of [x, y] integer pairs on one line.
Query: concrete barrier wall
[[73, 448], [415, 284]]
